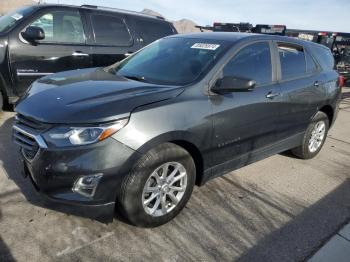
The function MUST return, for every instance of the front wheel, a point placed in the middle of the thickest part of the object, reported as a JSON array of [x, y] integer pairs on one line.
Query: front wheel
[[314, 137], [158, 187]]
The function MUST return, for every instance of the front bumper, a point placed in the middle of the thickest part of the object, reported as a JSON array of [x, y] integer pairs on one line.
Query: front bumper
[[53, 172]]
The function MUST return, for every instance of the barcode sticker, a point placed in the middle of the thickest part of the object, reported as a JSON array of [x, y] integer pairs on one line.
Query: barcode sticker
[[205, 46], [17, 16]]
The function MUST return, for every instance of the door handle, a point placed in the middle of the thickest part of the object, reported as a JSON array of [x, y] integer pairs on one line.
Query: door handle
[[79, 53], [271, 95], [316, 84], [128, 54]]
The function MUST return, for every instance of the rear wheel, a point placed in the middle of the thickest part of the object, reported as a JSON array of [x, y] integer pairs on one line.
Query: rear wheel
[[158, 187], [314, 137]]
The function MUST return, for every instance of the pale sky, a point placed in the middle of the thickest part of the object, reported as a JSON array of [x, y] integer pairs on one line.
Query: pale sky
[[327, 15]]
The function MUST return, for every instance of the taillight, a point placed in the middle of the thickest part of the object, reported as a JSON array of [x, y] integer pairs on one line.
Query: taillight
[[341, 81]]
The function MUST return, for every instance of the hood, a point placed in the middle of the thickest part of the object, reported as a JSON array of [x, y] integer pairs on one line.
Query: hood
[[88, 96]]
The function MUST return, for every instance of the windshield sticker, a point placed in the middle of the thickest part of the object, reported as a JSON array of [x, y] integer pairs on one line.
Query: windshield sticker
[[17, 16], [205, 46]]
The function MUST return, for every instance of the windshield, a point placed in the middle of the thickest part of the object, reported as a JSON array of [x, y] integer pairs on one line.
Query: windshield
[[9, 20], [172, 61]]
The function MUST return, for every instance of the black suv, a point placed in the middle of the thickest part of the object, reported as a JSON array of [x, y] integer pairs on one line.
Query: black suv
[[138, 135], [39, 40]]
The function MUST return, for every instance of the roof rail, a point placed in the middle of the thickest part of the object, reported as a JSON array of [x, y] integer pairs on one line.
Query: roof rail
[[90, 6], [121, 10]]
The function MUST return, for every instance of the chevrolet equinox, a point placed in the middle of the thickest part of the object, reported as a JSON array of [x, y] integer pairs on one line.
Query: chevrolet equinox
[[137, 136]]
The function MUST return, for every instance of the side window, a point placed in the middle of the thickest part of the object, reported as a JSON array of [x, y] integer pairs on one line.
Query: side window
[[324, 57], [292, 60], [150, 30], [110, 30], [311, 66], [61, 27], [252, 62]]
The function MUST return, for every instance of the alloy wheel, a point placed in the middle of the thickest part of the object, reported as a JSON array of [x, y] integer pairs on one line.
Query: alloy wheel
[[164, 189], [317, 136]]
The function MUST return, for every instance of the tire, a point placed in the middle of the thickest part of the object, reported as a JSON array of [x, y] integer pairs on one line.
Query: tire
[[149, 170], [306, 151]]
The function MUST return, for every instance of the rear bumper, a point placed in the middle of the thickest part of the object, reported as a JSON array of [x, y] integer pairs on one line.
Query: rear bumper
[[336, 107], [54, 173]]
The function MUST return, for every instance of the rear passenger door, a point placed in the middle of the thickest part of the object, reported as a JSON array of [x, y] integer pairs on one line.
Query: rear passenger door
[[301, 83], [110, 37]]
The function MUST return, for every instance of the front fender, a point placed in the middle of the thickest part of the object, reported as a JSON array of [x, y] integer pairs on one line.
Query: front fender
[[168, 137], [171, 120]]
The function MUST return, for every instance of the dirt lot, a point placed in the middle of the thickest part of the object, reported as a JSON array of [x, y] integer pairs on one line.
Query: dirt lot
[[279, 209]]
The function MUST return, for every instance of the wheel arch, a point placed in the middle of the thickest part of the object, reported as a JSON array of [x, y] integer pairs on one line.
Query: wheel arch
[[196, 156], [329, 111], [184, 140]]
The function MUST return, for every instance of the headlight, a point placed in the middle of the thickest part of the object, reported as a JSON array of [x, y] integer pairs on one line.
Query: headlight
[[70, 136]]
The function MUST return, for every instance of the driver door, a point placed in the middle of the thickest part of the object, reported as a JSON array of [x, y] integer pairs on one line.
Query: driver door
[[62, 49], [245, 121]]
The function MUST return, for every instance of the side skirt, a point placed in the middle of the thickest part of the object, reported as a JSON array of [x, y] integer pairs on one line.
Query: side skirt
[[252, 157]]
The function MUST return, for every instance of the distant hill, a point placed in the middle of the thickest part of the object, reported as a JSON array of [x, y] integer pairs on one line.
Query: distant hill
[[185, 26], [182, 26], [151, 12]]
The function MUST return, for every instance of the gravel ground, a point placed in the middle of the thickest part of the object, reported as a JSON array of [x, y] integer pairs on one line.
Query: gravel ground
[[279, 209]]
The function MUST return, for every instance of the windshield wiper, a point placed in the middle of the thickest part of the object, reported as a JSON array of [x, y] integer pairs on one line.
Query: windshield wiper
[[137, 78]]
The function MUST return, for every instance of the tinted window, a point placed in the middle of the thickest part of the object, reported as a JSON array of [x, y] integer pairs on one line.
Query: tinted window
[[310, 63], [252, 62], [61, 27], [292, 61], [172, 61], [324, 57], [151, 30], [110, 30]]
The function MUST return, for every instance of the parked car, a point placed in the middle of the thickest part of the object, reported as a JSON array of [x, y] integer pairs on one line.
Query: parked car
[[43, 39], [138, 135]]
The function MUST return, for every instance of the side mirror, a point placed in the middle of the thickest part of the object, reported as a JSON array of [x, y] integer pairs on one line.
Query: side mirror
[[230, 84], [33, 34]]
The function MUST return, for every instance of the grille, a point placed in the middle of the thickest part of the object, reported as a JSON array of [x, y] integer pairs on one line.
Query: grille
[[25, 132], [31, 124], [28, 144]]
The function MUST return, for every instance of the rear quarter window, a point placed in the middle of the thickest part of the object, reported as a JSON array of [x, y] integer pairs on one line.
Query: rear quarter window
[[151, 30], [324, 57]]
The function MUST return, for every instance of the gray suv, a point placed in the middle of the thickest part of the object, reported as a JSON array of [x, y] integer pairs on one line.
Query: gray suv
[[139, 134]]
